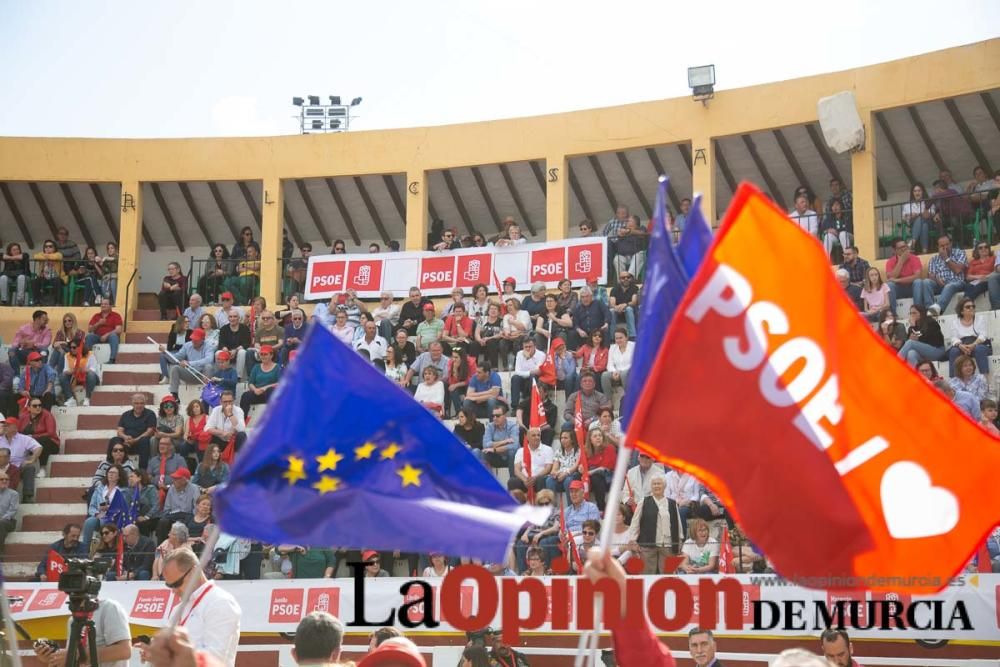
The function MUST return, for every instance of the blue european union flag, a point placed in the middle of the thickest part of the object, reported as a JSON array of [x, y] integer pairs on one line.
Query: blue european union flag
[[662, 290], [120, 511], [344, 457], [695, 239]]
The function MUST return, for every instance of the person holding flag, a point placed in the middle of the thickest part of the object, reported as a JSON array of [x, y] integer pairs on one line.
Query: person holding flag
[[532, 464], [58, 552]]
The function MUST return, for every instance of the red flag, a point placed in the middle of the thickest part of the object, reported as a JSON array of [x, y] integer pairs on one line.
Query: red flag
[[535, 420], [983, 563], [120, 554], [726, 564], [547, 369], [820, 411], [581, 439], [54, 565]]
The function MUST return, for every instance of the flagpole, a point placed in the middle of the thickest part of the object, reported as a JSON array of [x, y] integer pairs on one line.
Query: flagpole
[[201, 377], [8, 620], [189, 586]]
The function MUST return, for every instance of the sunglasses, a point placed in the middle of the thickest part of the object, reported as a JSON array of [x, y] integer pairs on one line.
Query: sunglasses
[[544, 504], [179, 582]]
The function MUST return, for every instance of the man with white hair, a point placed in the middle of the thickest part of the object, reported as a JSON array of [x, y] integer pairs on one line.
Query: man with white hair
[[655, 531], [853, 291], [194, 311]]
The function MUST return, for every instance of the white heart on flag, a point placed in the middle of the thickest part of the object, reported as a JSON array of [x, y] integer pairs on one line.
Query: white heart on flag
[[912, 506]]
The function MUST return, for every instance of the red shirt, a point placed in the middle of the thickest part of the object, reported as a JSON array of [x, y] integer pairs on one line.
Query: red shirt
[[912, 266], [455, 329], [43, 427], [605, 459], [112, 322]]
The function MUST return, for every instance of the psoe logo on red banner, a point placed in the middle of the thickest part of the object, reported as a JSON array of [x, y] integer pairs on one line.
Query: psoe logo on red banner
[[364, 275], [437, 272], [323, 599], [151, 604], [327, 276], [286, 605], [46, 600], [473, 269], [853, 603], [416, 613], [548, 265], [18, 598], [584, 261]]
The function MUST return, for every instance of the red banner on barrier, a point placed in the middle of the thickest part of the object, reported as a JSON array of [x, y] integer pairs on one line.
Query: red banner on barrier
[[437, 273]]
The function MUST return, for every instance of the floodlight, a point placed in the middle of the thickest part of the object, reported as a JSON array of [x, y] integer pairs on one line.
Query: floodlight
[[701, 80], [314, 100], [335, 100], [298, 101], [356, 101]]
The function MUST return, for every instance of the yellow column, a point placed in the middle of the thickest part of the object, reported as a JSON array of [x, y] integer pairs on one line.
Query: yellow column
[[556, 198], [273, 222], [416, 209], [129, 246], [863, 174], [703, 175]]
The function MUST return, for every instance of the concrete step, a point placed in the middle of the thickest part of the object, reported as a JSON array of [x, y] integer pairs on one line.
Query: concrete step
[[146, 315], [118, 399], [62, 494], [50, 522], [147, 327], [137, 337], [144, 346], [105, 421], [152, 357], [131, 377], [92, 446], [33, 538], [60, 467]]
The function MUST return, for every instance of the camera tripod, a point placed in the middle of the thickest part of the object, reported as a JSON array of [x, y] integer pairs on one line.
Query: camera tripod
[[83, 620]]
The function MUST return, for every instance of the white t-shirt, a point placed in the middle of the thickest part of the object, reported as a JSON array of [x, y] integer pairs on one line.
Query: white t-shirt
[[699, 556], [540, 458], [111, 627], [213, 623]]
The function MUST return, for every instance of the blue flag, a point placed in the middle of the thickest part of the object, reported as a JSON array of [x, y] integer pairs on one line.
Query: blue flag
[[344, 457], [695, 239], [664, 286], [120, 511]]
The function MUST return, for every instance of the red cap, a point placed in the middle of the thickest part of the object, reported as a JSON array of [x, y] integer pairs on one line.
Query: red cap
[[575, 484], [169, 398], [368, 555], [223, 355], [395, 651], [226, 295], [558, 342], [266, 349], [198, 334], [34, 356], [428, 306], [509, 279], [11, 420], [182, 472]]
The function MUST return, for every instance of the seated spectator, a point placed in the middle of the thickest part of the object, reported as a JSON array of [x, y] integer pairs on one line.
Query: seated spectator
[[266, 333], [587, 540], [170, 424], [684, 489], [601, 457], [483, 392], [245, 282], [553, 323], [430, 330], [513, 237], [162, 466], [411, 313], [309, 562], [6, 467], [457, 297], [479, 304], [81, 371], [843, 277], [837, 229], [447, 241], [655, 531], [532, 536], [100, 500], [372, 343], [438, 566], [88, 273], [565, 463], [874, 295], [35, 336], [406, 351], [542, 456], [857, 269], [593, 356], [263, 380], [196, 437], [624, 303], [459, 330], [461, 369], [928, 370], [630, 248], [947, 269], [284, 316], [430, 392], [590, 315], [611, 427], [173, 292], [225, 309], [38, 380], [199, 521], [619, 363], [527, 363], [591, 401], [24, 453], [924, 338], [509, 288], [919, 213], [804, 216], [386, 315], [68, 547], [565, 363], [194, 356], [469, 430], [295, 333], [9, 502], [225, 376], [116, 456], [60, 343], [535, 563], [342, 330], [136, 427], [16, 271], [49, 278], [234, 338], [892, 331], [534, 303], [144, 498], [981, 269], [179, 503], [966, 379], [214, 274], [176, 538], [638, 479], [710, 508], [104, 547], [988, 415], [523, 413], [500, 440], [513, 332], [109, 271], [700, 551], [902, 274], [207, 324], [137, 561], [394, 370], [39, 423], [432, 357], [227, 423], [967, 336], [489, 334]]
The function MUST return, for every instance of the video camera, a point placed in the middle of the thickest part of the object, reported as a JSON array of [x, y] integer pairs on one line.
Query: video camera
[[82, 582]]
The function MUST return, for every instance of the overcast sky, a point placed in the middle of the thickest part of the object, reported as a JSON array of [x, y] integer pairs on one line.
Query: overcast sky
[[230, 67]]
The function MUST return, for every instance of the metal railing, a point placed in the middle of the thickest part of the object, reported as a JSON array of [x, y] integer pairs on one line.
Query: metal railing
[[128, 291], [211, 279], [54, 283], [966, 218]]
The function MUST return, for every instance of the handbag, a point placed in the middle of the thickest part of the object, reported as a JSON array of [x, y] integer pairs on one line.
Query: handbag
[[988, 343]]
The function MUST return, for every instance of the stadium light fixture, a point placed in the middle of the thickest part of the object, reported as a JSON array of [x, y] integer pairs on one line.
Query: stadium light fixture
[[319, 118], [298, 101], [335, 100], [356, 101], [314, 100], [701, 80]]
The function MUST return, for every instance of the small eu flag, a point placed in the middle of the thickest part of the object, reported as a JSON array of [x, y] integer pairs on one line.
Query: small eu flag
[[345, 458], [120, 511]]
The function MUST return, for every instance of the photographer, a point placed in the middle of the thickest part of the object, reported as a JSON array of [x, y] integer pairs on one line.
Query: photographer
[[500, 654]]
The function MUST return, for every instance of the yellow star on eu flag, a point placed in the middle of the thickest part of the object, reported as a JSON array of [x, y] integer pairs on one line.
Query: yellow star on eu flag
[[296, 470], [364, 451], [329, 460], [391, 451], [409, 475], [326, 484]]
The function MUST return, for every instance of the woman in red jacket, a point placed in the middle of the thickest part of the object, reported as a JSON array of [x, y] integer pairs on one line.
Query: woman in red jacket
[[594, 356], [601, 459], [39, 423]]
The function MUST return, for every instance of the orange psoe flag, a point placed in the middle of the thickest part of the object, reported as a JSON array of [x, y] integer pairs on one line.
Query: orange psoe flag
[[834, 455]]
